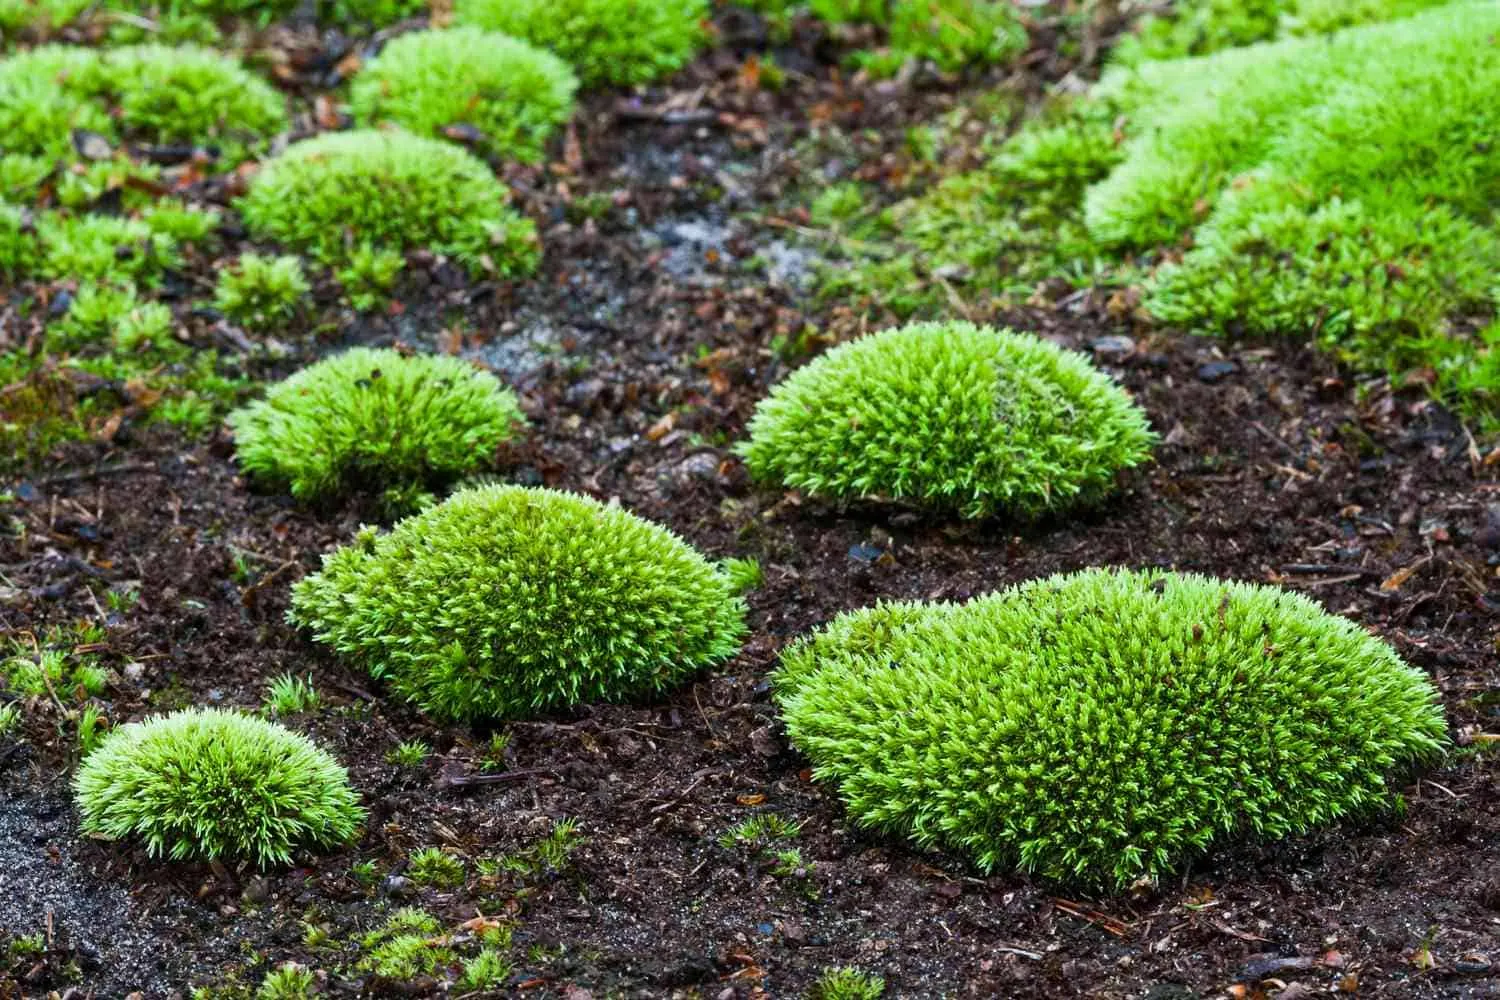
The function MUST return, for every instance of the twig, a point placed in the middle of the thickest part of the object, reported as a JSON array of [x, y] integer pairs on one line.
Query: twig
[[467, 780], [99, 470]]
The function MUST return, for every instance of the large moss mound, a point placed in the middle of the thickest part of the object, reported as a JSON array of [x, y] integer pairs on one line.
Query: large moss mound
[[1106, 726], [505, 601], [950, 415]]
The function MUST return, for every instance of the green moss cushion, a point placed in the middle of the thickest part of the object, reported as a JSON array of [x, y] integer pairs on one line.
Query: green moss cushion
[[508, 602], [605, 41], [1108, 725], [390, 191], [143, 93], [951, 415], [208, 783], [514, 94], [375, 418]]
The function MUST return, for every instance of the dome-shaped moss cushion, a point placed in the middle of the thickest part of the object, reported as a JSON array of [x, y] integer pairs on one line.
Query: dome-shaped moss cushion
[[952, 415], [1107, 725], [208, 783], [505, 601], [373, 417], [605, 41], [515, 94], [391, 191]]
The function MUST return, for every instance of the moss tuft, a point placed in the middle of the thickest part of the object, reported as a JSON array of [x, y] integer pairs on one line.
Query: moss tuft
[[209, 784], [605, 41], [515, 95], [389, 191], [150, 94], [1108, 725], [952, 415], [506, 602], [371, 417], [261, 292]]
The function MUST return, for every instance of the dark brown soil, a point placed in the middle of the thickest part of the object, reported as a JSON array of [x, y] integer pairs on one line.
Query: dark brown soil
[[640, 352]]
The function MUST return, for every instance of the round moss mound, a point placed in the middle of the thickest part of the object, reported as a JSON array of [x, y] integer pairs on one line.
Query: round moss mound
[[208, 784], [373, 418], [389, 191], [505, 601], [514, 94], [605, 41], [151, 94], [1108, 725], [950, 415]]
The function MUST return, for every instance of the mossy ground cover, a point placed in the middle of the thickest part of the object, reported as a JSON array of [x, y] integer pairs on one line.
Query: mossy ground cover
[[1355, 211], [702, 856]]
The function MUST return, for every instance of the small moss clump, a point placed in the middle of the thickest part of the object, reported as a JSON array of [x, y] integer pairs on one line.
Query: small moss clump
[[261, 292], [515, 95], [605, 41], [951, 415], [1106, 726], [372, 417], [951, 34], [210, 784], [389, 191], [152, 94], [506, 601]]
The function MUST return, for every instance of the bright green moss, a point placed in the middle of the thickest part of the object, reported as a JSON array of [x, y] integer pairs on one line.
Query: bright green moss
[[1341, 187], [391, 191], [505, 601], [140, 93], [261, 292], [1198, 27], [605, 41], [951, 415], [994, 233], [1338, 188], [1108, 725], [514, 94], [373, 418], [950, 33], [208, 783], [102, 248], [844, 983]]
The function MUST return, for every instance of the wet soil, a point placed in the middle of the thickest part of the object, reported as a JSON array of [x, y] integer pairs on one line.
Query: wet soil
[[640, 352]]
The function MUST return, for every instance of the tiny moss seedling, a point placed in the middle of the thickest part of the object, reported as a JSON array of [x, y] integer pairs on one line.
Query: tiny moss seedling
[[432, 866], [846, 983], [409, 754]]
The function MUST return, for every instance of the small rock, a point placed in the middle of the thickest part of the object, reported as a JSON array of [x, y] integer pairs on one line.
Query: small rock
[[1473, 964], [1216, 371], [1113, 348], [1264, 966], [1295, 991], [398, 885], [258, 890], [701, 467]]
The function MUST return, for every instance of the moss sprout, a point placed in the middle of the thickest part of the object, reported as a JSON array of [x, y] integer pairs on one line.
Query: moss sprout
[[374, 418], [951, 415], [210, 784], [505, 601], [605, 41], [515, 95], [844, 983], [391, 191], [261, 292], [1106, 726]]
